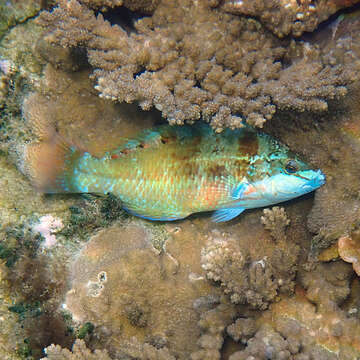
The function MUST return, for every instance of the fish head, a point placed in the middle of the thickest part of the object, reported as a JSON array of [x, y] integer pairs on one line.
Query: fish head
[[281, 175], [289, 183]]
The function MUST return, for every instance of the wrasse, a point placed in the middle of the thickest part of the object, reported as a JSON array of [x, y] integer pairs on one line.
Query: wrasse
[[169, 172]]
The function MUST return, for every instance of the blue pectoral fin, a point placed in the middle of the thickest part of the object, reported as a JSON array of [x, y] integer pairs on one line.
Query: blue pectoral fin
[[226, 214], [238, 192]]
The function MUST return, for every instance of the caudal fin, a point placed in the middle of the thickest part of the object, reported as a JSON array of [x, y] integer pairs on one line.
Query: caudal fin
[[49, 164]]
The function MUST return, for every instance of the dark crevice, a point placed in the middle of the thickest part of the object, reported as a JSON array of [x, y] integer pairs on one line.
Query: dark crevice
[[141, 71], [123, 17], [330, 22]]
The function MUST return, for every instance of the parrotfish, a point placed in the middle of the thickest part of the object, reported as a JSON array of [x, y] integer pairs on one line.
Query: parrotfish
[[169, 172]]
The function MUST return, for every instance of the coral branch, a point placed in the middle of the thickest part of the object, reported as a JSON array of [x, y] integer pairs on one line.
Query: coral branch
[[192, 61]]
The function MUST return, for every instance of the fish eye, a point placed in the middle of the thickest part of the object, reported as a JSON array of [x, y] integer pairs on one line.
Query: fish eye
[[291, 167]]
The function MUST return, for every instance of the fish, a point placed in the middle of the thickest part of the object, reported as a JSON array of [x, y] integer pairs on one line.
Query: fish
[[168, 172]]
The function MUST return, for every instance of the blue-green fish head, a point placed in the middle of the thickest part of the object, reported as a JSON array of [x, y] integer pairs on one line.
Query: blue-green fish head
[[286, 186], [287, 177]]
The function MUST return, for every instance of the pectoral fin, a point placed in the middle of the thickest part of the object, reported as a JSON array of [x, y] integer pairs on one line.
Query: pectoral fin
[[226, 214], [229, 211]]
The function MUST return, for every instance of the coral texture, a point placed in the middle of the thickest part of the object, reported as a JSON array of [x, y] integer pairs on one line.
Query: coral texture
[[13, 12], [146, 6], [245, 279], [275, 220], [132, 350], [213, 324], [310, 325], [242, 329], [223, 68], [331, 141], [349, 250], [66, 101], [268, 344], [290, 16], [79, 352], [126, 288]]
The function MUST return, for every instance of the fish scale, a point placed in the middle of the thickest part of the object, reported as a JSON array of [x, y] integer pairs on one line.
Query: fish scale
[[170, 172]]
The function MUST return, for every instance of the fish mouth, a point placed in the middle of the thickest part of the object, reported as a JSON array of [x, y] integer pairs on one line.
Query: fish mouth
[[314, 181]]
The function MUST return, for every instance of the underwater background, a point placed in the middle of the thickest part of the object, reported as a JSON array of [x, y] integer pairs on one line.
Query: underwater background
[[80, 278]]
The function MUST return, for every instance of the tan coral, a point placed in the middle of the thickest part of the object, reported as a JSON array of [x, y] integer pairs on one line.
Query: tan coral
[[349, 250], [330, 330], [246, 280], [142, 296], [284, 17], [275, 220], [79, 352], [146, 6], [192, 61], [66, 101]]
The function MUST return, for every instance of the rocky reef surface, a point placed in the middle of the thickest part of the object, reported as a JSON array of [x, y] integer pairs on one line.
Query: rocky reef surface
[[81, 279]]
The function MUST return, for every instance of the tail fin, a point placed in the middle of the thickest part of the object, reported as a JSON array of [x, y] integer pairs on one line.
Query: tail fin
[[49, 164]]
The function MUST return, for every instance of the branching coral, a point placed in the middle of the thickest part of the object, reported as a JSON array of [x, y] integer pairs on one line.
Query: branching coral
[[79, 352], [275, 220], [256, 282], [267, 344], [133, 349], [289, 16], [308, 325], [190, 61], [242, 329], [213, 324], [146, 6], [313, 332]]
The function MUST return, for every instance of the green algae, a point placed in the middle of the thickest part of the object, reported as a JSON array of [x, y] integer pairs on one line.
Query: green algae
[[26, 310], [159, 235], [85, 329], [92, 212], [16, 240], [24, 350]]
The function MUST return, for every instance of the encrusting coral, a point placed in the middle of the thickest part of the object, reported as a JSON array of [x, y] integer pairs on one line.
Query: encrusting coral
[[290, 16], [190, 60], [126, 288]]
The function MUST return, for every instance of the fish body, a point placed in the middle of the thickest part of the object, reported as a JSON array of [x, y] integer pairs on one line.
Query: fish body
[[169, 172]]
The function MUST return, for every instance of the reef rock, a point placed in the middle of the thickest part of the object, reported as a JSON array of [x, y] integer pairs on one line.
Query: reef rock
[[349, 250]]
